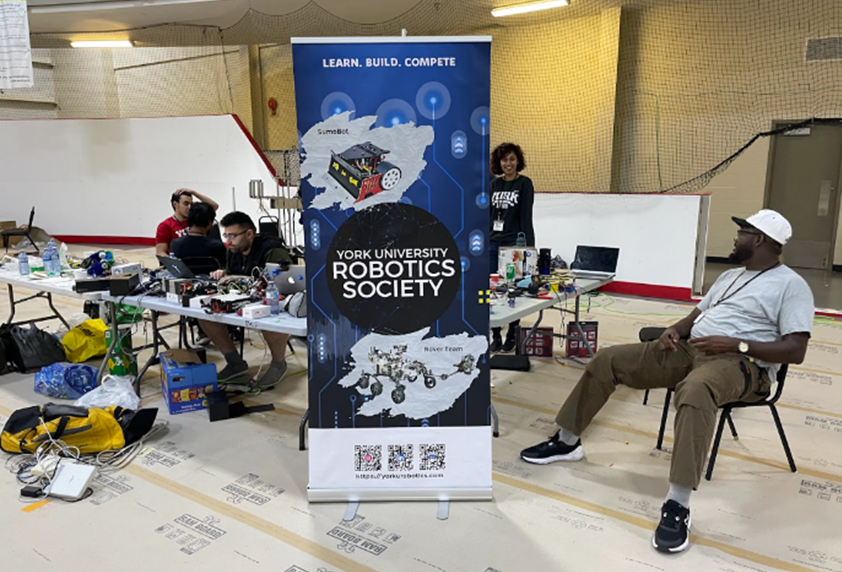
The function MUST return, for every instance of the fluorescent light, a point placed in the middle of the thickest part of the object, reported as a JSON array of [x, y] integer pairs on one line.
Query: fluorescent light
[[102, 44], [529, 7]]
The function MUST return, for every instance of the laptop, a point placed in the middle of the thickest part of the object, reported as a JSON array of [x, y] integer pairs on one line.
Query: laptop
[[289, 281], [176, 266], [595, 262]]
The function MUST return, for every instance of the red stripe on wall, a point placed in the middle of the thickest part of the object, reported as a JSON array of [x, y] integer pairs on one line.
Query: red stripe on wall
[[649, 291], [255, 145], [98, 240]]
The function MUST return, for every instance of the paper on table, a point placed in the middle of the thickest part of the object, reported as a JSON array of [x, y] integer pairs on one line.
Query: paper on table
[[15, 51]]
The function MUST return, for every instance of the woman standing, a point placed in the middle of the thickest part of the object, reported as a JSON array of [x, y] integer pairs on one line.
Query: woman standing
[[512, 196]]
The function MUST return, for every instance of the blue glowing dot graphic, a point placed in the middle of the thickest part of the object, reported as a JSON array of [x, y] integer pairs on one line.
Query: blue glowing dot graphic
[[394, 112], [336, 103], [480, 119], [433, 100]]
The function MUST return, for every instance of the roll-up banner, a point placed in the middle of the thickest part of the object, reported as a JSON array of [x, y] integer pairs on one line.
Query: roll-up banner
[[394, 181]]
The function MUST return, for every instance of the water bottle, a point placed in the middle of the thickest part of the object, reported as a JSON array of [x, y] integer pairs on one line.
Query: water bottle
[[46, 256], [23, 263], [55, 263], [53, 269], [273, 298]]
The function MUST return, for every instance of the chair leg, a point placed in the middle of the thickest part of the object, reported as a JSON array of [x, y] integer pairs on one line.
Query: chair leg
[[715, 449], [302, 445], [242, 340], [291, 349], [664, 417], [733, 429], [646, 397], [495, 420], [35, 246], [782, 435]]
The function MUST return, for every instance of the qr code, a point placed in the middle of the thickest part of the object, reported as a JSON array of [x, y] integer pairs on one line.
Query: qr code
[[400, 457], [433, 457], [368, 457]]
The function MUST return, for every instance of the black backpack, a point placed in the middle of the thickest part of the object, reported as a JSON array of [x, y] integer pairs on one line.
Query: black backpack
[[30, 348], [4, 361]]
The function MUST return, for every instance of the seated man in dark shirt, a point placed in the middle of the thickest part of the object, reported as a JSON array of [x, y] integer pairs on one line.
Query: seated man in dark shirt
[[246, 251], [202, 255]]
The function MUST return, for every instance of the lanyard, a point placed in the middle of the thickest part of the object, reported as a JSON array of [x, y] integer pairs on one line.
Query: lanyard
[[726, 296]]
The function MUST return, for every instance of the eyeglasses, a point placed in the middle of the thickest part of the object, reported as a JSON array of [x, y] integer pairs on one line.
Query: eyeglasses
[[233, 234]]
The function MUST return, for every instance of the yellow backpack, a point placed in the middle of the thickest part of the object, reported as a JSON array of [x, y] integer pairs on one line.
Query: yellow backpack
[[91, 430]]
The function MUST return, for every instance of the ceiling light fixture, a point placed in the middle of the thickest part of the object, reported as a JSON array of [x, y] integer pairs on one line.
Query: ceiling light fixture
[[528, 7], [102, 44]]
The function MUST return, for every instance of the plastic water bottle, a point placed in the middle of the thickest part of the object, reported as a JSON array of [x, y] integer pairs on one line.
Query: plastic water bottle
[[55, 263], [23, 263], [273, 298], [46, 256]]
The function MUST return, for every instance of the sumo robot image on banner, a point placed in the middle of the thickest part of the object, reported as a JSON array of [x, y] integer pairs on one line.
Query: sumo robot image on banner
[[394, 367], [362, 171]]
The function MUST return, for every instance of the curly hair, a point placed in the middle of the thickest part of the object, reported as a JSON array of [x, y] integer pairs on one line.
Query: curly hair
[[502, 150]]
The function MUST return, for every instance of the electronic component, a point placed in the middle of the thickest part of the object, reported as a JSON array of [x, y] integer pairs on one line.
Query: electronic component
[[198, 301], [32, 491], [129, 268], [226, 303], [91, 285], [123, 284], [71, 481], [256, 311]]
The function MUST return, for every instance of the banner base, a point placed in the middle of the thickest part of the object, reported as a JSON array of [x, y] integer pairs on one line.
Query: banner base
[[386, 495]]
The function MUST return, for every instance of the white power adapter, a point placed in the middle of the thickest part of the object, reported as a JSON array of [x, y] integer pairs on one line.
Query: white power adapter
[[71, 481], [46, 467]]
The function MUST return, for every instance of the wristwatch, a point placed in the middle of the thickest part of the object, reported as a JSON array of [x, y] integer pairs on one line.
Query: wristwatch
[[743, 347]]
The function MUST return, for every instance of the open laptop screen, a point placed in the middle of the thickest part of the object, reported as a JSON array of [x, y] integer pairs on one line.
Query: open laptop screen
[[596, 258]]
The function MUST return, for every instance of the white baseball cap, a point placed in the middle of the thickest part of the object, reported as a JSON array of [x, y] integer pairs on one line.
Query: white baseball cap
[[769, 222]]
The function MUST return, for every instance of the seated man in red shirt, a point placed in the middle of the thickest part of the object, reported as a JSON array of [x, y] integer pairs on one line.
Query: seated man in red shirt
[[176, 226]]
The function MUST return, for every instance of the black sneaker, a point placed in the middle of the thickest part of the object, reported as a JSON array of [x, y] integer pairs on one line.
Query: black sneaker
[[553, 450], [673, 532], [495, 345], [508, 346]]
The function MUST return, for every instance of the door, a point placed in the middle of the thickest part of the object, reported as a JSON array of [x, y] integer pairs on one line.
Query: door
[[803, 186]]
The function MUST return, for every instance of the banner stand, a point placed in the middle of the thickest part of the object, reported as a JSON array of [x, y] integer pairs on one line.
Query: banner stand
[[395, 184]]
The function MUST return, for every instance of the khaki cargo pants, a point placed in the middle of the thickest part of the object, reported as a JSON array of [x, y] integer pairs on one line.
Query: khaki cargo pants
[[702, 383]]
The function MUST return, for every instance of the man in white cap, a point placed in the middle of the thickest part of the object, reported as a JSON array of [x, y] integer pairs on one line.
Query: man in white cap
[[728, 349]]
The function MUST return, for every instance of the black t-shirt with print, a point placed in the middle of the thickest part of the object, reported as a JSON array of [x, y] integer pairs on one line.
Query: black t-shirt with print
[[511, 203]]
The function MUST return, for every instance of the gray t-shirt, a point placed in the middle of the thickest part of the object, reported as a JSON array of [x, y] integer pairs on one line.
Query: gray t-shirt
[[772, 305]]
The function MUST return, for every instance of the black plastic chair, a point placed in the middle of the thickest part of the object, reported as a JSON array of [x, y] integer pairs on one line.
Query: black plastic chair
[[7, 234], [651, 334]]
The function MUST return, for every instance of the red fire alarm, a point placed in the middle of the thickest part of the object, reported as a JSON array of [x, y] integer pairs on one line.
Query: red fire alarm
[[273, 105]]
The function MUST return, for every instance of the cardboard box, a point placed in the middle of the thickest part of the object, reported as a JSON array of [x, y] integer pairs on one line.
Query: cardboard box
[[523, 258], [9, 225], [185, 380], [539, 345], [576, 347]]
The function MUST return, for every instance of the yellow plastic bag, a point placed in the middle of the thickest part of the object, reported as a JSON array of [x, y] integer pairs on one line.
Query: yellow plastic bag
[[85, 341]]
